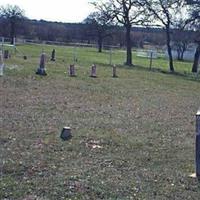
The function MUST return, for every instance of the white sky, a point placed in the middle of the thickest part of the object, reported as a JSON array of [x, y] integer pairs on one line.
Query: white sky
[[53, 10]]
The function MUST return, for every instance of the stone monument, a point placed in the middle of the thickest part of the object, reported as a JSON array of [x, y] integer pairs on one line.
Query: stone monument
[[93, 71], [72, 71], [53, 55], [66, 133], [114, 72], [41, 70]]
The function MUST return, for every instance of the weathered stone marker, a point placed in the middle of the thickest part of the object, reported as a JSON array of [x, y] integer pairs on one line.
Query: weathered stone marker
[[198, 144], [41, 70], [6, 54], [66, 133], [53, 54], [72, 71], [1, 63], [114, 72], [93, 71]]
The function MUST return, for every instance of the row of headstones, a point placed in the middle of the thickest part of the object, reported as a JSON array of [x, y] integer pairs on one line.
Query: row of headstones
[[42, 71]]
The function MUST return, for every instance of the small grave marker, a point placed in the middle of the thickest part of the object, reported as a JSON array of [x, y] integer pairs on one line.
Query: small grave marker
[[72, 71], [41, 70], [53, 55], [6, 54], [93, 71], [66, 133], [114, 71], [198, 144]]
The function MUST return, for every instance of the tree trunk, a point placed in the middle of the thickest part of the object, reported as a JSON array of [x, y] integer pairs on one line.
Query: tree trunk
[[100, 42], [128, 46], [12, 31], [196, 59], [169, 50], [182, 54]]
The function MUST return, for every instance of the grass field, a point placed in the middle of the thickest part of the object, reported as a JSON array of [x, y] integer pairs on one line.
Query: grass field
[[133, 136]]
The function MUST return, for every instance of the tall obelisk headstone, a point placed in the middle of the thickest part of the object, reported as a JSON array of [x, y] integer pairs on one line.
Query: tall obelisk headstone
[[41, 70]]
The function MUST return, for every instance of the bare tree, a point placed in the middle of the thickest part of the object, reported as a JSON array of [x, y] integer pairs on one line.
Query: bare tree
[[181, 37], [164, 12], [126, 13], [194, 23], [98, 26], [13, 15]]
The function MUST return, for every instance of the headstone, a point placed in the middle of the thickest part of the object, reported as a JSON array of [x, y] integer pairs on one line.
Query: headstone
[[72, 71], [53, 55], [66, 133], [41, 70], [198, 144], [114, 71], [93, 71], [1, 63], [6, 54]]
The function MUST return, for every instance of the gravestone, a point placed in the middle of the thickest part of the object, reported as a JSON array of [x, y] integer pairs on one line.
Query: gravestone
[[72, 71], [66, 133], [114, 71], [198, 144], [1, 63], [53, 55], [93, 71], [41, 70], [6, 54]]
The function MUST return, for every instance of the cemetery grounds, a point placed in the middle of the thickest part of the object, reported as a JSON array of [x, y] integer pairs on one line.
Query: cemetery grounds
[[133, 136]]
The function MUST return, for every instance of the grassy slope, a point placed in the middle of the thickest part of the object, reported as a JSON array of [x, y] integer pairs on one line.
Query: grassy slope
[[144, 122]]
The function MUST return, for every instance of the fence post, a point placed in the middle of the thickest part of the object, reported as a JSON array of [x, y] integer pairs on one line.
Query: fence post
[[110, 59], [151, 57], [198, 144]]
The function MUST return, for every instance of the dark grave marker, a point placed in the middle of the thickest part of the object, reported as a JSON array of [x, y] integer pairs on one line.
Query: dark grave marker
[[93, 71], [72, 71], [41, 70], [66, 133], [53, 54], [114, 70], [6, 54]]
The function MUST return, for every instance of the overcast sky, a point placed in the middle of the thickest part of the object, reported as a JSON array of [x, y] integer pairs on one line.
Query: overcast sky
[[53, 10]]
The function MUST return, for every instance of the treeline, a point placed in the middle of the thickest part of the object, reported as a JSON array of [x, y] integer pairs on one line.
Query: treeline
[[80, 32]]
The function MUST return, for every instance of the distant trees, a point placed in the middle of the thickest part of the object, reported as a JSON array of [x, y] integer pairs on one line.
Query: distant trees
[[126, 13], [181, 37], [99, 26], [164, 12], [194, 23], [12, 15]]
